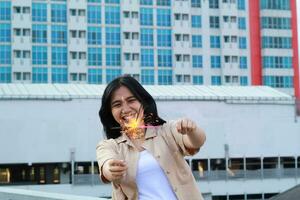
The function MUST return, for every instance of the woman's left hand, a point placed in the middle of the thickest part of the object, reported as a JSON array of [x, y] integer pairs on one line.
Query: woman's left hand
[[186, 126]]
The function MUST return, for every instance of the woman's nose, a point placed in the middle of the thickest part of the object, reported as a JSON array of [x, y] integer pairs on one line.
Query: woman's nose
[[125, 108]]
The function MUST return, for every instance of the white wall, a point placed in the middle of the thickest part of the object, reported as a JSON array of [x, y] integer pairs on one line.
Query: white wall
[[45, 131]]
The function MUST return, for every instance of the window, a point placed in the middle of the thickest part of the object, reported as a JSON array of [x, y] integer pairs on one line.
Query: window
[[276, 23], [81, 34], [73, 12], [39, 75], [241, 4], [146, 2], [164, 57], [81, 12], [112, 1], [26, 54], [243, 80], [112, 35], [26, 10], [242, 23], [214, 4], [146, 37], [277, 62], [134, 15], [39, 33], [242, 42], [183, 78], [95, 76], [5, 54], [17, 53], [112, 14], [94, 35], [113, 56], [58, 13], [59, 56], [277, 42], [178, 57], [198, 80], [163, 2], [214, 22], [39, 12], [147, 57], [5, 32], [59, 34], [215, 41], [185, 37], [275, 5], [147, 76], [26, 32], [39, 55], [216, 80], [146, 16], [186, 58], [197, 61], [196, 41], [196, 3], [94, 56], [215, 61], [164, 37], [5, 73], [163, 17], [5, 13], [59, 74], [17, 9], [165, 77], [94, 14], [111, 74], [185, 17], [196, 21], [278, 81]]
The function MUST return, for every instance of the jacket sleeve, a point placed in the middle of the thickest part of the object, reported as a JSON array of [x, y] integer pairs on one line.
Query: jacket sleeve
[[105, 150], [172, 134]]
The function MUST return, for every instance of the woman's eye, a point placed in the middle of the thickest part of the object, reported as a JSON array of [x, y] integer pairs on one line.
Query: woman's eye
[[116, 105], [131, 100]]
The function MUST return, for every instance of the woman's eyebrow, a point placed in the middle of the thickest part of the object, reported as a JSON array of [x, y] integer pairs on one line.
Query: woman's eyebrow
[[130, 97]]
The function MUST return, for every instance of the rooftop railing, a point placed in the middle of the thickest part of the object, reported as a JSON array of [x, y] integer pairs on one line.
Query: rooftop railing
[[93, 179]]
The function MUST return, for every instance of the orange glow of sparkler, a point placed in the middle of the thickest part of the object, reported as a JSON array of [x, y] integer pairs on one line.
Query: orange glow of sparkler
[[134, 129]]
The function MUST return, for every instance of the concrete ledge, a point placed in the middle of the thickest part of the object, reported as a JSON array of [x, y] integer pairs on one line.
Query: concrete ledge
[[22, 194]]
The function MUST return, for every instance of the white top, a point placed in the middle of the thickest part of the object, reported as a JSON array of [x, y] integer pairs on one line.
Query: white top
[[151, 180]]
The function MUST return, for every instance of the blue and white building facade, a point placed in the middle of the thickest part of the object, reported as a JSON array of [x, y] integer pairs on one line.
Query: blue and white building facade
[[159, 42]]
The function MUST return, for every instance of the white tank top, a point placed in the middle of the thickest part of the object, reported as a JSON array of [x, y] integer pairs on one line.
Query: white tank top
[[151, 180]]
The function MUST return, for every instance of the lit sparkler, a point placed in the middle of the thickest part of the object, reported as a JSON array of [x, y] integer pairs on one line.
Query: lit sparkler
[[134, 128]]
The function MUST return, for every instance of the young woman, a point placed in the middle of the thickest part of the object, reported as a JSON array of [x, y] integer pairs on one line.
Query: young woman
[[143, 155]]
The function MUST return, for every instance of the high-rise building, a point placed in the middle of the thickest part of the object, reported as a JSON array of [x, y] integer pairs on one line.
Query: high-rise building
[[210, 42]]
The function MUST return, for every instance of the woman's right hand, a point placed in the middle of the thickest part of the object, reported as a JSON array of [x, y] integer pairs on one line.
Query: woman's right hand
[[114, 169]]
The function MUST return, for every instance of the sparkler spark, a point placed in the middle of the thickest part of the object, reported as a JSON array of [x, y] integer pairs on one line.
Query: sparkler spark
[[132, 128]]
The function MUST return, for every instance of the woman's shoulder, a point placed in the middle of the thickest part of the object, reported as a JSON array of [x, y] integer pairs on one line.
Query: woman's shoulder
[[107, 142]]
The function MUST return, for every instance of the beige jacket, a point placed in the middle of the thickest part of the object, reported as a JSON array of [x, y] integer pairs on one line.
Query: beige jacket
[[166, 146]]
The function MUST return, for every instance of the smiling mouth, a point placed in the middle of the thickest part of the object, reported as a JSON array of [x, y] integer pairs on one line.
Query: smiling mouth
[[127, 118]]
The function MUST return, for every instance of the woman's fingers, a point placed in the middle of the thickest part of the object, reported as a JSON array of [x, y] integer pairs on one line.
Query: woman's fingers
[[115, 162], [114, 169], [185, 126], [118, 168]]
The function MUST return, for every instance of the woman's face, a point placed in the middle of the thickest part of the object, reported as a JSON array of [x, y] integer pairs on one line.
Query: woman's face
[[125, 106]]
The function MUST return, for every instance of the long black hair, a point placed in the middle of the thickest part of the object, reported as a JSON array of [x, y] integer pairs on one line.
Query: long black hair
[[150, 111]]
